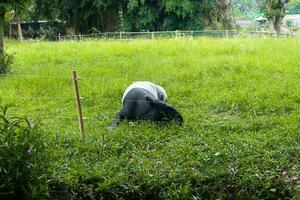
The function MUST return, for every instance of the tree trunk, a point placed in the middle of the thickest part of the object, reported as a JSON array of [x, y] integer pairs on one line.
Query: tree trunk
[[224, 16], [1, 34], [271, 17], [271, 24], [277, 24], [280, 16], [10, 27], [20, 35]]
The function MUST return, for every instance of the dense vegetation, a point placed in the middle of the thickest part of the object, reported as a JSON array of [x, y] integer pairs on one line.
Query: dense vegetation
[[134, 15], [93, 16], [81, 16], [23, 160], [273, 11], [139, 15], [239, 98], [248, 7]]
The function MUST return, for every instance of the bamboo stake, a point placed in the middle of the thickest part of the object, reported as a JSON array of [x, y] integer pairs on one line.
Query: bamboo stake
[[77, 96]]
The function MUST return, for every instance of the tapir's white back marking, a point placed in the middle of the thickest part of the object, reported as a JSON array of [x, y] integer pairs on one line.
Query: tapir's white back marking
[[154, 89]]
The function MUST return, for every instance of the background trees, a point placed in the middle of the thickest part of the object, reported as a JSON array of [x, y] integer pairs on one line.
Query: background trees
[[274, 11], [134, 15], [82, 17], [19, 6], [294, 7], [6, 6], [158, 15]]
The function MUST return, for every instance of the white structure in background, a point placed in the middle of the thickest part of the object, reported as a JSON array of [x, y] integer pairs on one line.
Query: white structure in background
[[291, 24]]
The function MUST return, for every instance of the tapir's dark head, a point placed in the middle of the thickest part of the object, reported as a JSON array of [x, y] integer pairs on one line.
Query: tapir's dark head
[[171, 113], [165, 112]]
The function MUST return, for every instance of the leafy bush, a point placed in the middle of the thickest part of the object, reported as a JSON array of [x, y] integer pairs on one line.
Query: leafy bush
[[5, 63], [44, 32], [23, 159], [94, 30], [49, 33]]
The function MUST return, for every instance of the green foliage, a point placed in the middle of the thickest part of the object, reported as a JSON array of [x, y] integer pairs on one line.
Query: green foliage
[[23, 161], [20, 7], [274, 11], [5, 63], [142, 15], [135, 15], [93, 30], [168, 15], [252, 8], [239, 98], [80, 15], [6, 6], [9, 16], [43, 9], [272, 8], [248, 8], [294, 7], [48, 33]]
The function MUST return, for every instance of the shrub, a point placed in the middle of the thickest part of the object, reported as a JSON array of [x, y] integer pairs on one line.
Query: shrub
[[94, 30], [48, 33], [5, 63], [23, 159]]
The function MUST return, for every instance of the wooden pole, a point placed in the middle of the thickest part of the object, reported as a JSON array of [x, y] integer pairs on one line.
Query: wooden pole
[[77, 96]]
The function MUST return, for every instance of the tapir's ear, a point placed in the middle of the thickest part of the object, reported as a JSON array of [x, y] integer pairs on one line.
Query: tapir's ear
[[161, 97]]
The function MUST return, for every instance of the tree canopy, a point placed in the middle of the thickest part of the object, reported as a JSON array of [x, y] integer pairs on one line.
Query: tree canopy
[[82, 16], [134, 15]]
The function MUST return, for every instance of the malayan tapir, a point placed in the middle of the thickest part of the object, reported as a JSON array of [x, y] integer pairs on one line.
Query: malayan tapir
[[145, 100]]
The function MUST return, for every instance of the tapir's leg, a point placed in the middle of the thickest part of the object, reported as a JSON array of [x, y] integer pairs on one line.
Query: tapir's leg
[[119, 118]]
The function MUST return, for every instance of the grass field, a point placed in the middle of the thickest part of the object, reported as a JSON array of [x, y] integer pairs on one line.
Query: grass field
[[240, 99]]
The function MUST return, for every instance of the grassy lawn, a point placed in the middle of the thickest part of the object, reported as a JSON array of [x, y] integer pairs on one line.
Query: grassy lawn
[[240, 99]]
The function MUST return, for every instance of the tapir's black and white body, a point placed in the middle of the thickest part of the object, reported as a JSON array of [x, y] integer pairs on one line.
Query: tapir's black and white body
[[146, 101], [156, 91]]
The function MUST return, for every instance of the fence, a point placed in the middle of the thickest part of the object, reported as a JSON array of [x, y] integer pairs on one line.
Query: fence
[[170, 34]]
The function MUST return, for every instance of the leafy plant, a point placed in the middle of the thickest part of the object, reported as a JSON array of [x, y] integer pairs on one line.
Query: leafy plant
[[5, 63], [23, 159]]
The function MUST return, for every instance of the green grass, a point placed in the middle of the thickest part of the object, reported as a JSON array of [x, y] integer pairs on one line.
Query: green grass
[[240, 99]]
